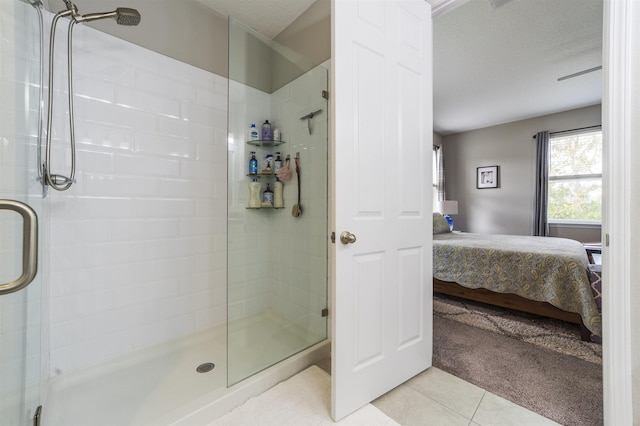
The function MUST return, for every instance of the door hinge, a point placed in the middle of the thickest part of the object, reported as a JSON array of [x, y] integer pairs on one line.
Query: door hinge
[[325, 94], [37, 415], [333, 237], [325, 312]]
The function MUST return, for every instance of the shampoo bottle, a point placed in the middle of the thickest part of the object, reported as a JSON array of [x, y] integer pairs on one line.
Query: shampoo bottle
[[254, 194], [278, 201], [253, 164], [267, 135]]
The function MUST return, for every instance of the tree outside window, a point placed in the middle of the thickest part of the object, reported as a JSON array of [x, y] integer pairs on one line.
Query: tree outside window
[[575, 177]]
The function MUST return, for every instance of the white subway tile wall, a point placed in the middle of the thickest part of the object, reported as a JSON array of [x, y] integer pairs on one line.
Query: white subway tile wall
[[278, 262], [298, 288], [138, 244], [249, 230]]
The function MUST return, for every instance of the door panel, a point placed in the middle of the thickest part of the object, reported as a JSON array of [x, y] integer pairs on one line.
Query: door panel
[[20, 311], [410, 297], [382, 319], [369, 315]]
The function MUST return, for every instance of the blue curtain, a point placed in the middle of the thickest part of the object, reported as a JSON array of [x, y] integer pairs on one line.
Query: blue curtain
[[540, 224]]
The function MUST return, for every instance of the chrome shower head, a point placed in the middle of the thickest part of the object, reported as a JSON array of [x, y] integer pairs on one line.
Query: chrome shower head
[[122, 15], [127, 16]]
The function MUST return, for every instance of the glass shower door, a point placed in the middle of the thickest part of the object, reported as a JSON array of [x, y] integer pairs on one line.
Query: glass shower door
[[20, 310], [277, 258]]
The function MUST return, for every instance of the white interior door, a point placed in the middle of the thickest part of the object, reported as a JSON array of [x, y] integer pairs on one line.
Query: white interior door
[[382, 111]]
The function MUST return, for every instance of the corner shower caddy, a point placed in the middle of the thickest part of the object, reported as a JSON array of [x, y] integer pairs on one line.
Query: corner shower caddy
[[264, 143]]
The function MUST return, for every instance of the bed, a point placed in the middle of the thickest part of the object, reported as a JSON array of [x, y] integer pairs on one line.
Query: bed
[[540, 275]]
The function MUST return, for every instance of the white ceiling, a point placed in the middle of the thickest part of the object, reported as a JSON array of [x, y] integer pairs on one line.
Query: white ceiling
[[497, 66], [268, 17]]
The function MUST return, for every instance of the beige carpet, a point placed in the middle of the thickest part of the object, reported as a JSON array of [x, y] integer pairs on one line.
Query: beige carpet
[[302, 400], [555, 335]]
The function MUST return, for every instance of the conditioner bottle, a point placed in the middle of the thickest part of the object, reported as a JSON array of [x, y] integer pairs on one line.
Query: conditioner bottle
[[254, 194], [277, 164], [278, 201]]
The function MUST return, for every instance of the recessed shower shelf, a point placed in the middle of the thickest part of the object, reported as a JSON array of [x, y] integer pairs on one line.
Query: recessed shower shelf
[[261, 142]]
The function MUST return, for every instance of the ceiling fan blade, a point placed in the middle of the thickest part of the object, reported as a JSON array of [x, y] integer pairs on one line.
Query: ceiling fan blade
[[566, 77]]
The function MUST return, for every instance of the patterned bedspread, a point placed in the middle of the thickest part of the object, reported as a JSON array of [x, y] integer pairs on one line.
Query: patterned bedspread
[[545, 269]]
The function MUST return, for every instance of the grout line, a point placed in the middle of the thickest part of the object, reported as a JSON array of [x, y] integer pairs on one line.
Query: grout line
[[478, 407], [444, 405]]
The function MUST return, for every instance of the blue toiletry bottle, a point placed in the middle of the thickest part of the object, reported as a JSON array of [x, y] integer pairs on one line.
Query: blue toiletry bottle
[[253, 164]]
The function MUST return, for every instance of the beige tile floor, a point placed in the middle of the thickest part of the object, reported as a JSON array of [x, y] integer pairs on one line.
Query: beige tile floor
[[437, 398]]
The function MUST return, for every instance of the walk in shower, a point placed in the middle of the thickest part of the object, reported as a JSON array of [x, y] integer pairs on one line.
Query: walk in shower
[[160, 298]]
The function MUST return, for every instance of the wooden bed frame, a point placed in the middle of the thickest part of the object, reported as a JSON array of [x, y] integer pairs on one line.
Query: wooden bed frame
[[511, 301]]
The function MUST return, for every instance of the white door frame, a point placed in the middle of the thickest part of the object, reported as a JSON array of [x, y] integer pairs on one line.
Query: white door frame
[[617, 124]]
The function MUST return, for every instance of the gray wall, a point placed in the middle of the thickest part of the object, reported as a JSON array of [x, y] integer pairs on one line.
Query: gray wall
[[309, 36], [181, 29], [195, 34], [267, 65], [507, 209]]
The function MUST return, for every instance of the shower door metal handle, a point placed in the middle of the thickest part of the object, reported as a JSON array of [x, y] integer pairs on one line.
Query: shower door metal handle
[[29, 245]]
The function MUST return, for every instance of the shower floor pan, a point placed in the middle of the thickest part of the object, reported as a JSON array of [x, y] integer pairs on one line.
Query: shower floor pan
[[160, 385]]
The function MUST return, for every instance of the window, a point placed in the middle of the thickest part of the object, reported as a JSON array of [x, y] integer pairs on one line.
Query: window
[[575, 177]]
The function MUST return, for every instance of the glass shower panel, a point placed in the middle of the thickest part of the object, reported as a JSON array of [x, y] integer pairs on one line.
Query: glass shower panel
[[20, 311], [277, 262]]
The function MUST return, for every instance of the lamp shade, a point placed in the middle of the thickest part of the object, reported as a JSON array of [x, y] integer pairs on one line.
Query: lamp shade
[[448, 207]]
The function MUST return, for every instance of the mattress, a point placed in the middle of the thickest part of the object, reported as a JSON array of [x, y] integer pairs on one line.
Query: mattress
[[545, 269]]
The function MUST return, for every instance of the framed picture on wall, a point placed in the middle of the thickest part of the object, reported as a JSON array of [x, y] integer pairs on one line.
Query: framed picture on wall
[[487, 177]]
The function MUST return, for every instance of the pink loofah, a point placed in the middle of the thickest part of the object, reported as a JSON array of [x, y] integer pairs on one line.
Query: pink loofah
[[284, 174]]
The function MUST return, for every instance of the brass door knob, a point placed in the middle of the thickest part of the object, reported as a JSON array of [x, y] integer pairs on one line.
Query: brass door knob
[[347, 238]]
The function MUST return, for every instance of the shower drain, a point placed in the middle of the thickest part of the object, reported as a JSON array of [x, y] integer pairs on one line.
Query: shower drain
[[206, 367]]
